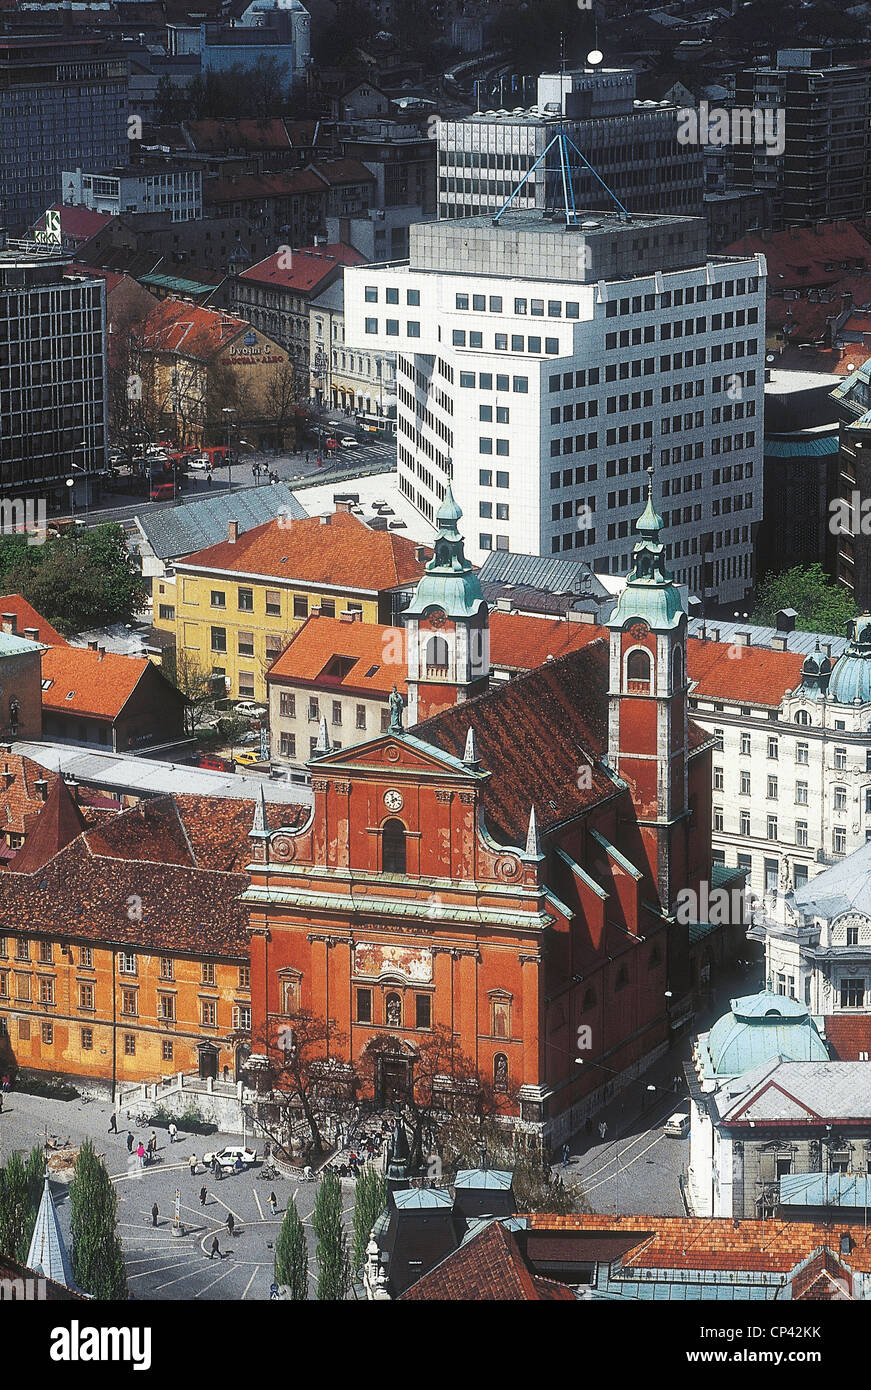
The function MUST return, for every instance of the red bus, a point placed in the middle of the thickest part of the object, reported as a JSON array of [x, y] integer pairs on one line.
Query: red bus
[[217, 453]]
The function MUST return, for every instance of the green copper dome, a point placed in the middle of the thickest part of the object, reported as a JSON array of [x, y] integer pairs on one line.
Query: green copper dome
[[651, 594], [759, 1028], [851, 675], [450, 581]]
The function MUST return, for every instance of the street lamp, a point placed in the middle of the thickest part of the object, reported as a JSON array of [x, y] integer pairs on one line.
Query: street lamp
[[229, 410]]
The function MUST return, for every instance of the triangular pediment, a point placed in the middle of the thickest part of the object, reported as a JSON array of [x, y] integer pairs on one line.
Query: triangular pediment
[[772, 1102], [392, 754]]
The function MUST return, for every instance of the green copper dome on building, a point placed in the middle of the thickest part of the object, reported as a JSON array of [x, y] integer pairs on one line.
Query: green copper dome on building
[[757, 1029], [450, 581], [851, 675], [651, 594]]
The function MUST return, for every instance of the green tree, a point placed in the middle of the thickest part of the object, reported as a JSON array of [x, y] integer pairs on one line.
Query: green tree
[[821, 605], [20, 1188], [370, 1199], [334, 1275], [76, 579], [291, 1254], [98, 1265]]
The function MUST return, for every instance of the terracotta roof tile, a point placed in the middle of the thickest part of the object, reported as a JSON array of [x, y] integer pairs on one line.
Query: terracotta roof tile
[[59, 823], [88, 682], [848, 1036], [344, 553], [488, 1268], [370, 646], [26, 616], [799, 256], [308, 269], [172, 326], [20, 801]]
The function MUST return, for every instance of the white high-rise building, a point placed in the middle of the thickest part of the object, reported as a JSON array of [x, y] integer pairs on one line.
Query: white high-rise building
[[543, 367]]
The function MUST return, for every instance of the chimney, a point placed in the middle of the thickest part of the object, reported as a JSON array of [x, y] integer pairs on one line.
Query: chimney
[[92, 646], [350, 616], [233, 531], [503, 604], [742, 639], [42, 787], [420, 554], [780, 644], [32, 633], [325, 521], [578, 615], [102, 653], [827, 648], [344, 507], [784, 619], [714, 634], [10, 622]]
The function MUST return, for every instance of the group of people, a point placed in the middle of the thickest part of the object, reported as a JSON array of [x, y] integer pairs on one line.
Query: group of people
[[269, 474], [146, 1153]]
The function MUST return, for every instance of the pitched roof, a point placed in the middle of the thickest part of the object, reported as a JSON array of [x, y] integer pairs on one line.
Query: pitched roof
[[343, 171], [488, 1268], [78, 224], [848, 1035], [204, 521], [338, 551], [367, 647], [26, 616], [216, 136], [83, 681], [521, 643], [713, 1243], [308, 268], [48, 1251], [798, 257], [172, 326], [752, 675], [59, 822], [250, 186], [179, 856], [20, 801]]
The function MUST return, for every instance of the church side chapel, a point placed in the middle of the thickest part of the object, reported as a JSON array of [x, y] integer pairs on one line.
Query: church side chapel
[[504, 871]]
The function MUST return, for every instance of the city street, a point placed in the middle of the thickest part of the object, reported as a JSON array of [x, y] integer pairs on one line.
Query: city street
[[159, 1264]]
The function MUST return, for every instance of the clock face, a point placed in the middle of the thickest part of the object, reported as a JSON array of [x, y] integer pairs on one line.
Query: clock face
[[639, 631], [437, 618], [393, 800]]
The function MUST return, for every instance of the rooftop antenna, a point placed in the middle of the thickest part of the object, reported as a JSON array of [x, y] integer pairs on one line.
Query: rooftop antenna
[[562, 142]]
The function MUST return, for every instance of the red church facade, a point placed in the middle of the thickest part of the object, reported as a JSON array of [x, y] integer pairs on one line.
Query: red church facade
[[501, 875]]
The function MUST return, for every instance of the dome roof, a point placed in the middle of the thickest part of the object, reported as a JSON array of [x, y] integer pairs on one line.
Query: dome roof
[[759, 1028], [450, 582], [851, 675]]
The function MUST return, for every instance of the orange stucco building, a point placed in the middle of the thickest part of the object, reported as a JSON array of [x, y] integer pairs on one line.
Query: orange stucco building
[[506, 871]]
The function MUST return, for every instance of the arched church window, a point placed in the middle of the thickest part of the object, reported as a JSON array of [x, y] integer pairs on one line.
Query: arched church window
[[393, 857], [638, 671], [437, 656]]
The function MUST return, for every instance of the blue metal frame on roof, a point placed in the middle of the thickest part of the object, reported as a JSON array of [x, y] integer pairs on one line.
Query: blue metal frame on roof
[[562, 141]]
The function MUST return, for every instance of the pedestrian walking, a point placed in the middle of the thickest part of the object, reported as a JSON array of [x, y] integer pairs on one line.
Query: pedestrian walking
[[203, 1195], [130, 1141], [192, 1164], [140, 1154], [230, 1222], [565, 1155], [154, 1214], [306, 458], [603, 1129], [215, 1250], [172, 1133], [209, 481], [1, 1102], [113, 1122], [273, 1202], [216, 1170]]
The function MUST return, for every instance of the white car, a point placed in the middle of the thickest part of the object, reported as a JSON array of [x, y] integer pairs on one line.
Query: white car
[[199, 463], [228, 1157], [250, 710], [347, 442], [677, 1126]]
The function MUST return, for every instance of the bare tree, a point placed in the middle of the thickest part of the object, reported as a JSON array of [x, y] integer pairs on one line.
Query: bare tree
[[299, 1053], [281, 398]]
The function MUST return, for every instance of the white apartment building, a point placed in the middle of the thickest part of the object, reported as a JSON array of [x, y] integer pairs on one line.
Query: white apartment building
[[631, 144], [175, 189], [344, 375], [792, 757], [542, 368]]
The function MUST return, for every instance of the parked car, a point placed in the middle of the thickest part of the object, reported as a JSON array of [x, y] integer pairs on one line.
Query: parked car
[[199, 463], [161, 491], [214, 762], [226, 1158], [677, 1125], [251, 737], [247, 757], [250, 709]]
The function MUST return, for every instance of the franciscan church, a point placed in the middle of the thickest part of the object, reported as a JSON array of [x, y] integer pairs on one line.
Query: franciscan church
[[500, 867]]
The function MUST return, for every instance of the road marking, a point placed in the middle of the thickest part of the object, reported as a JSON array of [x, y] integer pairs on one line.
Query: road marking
[[259, 1208], [620, 1167], [214, 1282], [250, 1282]]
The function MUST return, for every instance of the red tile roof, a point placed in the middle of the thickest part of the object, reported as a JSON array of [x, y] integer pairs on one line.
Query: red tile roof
[[723, 670], [797, 258], [173, 326], [220, 135], [77, 224], [488, 1268], [848, 1035], [378, 654], [59, 823], [113, 278], [336, 172], [88, 682], [251, 186], [804, 320], [20, 801], [308, 269], [27, 616], [339, 552], [715, 1243]]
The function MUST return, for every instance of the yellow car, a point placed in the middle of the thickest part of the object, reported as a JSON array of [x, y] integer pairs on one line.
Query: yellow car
[[247, 758]]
